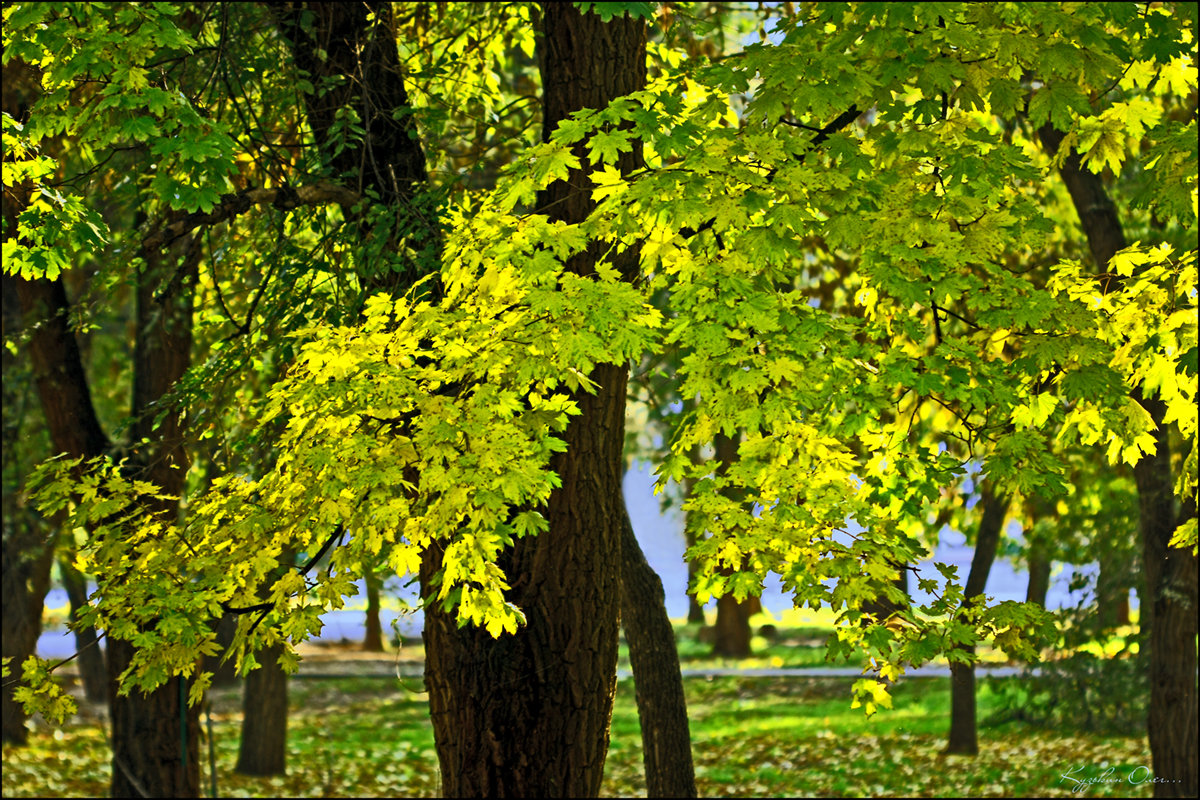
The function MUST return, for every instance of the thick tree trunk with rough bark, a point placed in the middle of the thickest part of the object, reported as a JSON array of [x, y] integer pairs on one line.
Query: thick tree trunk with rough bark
[[1168, 612], [527, 715], [1170, 618], [662, 707], [963, 739], [363, 64]]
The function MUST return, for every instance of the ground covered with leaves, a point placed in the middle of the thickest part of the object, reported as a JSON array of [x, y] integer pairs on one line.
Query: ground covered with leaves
[[752, 737]]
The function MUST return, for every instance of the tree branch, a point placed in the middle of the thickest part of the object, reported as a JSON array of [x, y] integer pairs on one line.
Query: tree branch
[[284, 198]]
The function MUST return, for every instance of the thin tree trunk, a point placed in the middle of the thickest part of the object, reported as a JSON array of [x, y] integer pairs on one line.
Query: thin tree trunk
[[731, 633], [373, 639], [224, 670], [1039, 575], [695, 610], [263, 748], [93, 673], [1169, 610], [963, 738], [1112, 592], [662, 707]]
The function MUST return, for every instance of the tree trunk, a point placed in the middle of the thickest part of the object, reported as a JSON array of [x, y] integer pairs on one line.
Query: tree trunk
[[28, 554], [363, 71], [156, 735], [695, 610], [662, 707], [70, 419], [373, 640], [1039, 575], [963, 739], [527, 715], [224, 670], [1112, 591], [263, 749], [93, 673], [1171, 576], [28, 549], [1169, 609], [731, 633], [883, 606]]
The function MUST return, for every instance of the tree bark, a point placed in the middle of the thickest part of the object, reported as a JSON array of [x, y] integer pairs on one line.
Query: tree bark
[[1170, 573], [28, 553], [93, 672], [1039, 575], [389, 159], [731, 632], [263, 748], [224, 670], [373, 639], [528, 715], [28, 549], [662, 706], [695, 609], [156, 735], [1112, 591], [963, 738]]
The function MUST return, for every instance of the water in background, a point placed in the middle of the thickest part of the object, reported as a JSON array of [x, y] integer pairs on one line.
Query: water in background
[[661, 536]]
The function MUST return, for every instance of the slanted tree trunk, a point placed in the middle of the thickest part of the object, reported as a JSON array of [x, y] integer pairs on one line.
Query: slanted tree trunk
[[154, 736], [93, 673], [28, 554], [527, 715], [28, 549], [662, 707], [1168, 612], [963, 738]]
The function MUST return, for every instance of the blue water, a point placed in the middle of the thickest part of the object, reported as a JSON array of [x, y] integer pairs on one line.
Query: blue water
[[660, 534]]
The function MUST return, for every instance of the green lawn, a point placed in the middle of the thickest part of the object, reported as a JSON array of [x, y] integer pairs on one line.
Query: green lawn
[[751, 737]]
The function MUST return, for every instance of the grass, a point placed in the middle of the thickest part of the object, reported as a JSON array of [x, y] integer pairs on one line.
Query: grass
[[751, 737]]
